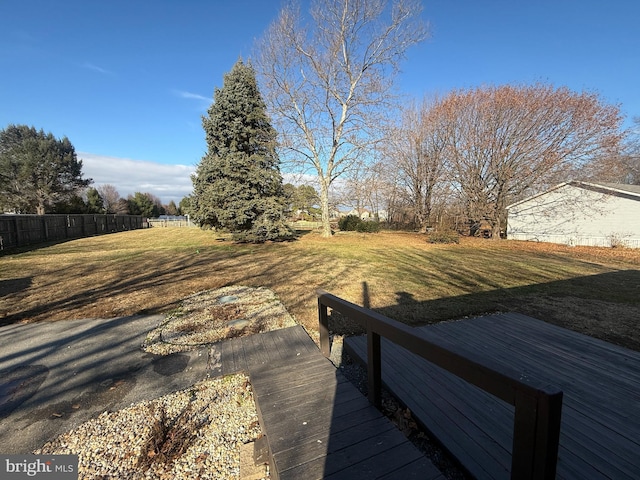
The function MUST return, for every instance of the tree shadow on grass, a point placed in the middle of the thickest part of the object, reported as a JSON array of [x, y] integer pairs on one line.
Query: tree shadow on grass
[[604, 306], [149, 285], [32, 247], [14, 285]]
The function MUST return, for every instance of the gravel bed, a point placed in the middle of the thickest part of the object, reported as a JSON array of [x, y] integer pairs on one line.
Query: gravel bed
[[191, 434], [194, 433], [208, 317]]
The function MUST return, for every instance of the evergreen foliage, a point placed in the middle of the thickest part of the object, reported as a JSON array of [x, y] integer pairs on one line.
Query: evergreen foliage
[[368, 226], [302, 201], [90, 202], [185, 205], [353, 223], [144, 204], [75, 204], [37, 170], [349, 223], [446, 236], [95, 203], [237, 186]]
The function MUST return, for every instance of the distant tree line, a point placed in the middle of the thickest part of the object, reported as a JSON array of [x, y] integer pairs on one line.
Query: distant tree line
[[106, 199], [41, 174]]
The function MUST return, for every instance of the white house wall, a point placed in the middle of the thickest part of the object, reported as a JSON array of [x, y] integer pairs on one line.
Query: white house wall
[[576, 216]]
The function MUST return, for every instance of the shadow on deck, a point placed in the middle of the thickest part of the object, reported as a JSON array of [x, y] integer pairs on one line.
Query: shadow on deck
[[600, 427]]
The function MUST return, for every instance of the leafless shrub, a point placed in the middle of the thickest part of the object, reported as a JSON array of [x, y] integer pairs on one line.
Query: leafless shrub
[[170, 438]]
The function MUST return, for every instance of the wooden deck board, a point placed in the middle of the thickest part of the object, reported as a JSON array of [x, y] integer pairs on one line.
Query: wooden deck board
[[618, 376], [274, 349], [427, 392], [594, 391], [317, 423], [353, 414], [600, 435]]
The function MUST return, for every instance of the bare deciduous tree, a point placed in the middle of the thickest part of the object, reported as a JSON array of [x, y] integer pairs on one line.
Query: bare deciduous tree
[[417, 147], [509, 141], [328, 82], [110, 197], [365, 188], [630, 159]]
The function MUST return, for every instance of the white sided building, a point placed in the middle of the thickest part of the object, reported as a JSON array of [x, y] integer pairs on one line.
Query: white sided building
[[579, 213]]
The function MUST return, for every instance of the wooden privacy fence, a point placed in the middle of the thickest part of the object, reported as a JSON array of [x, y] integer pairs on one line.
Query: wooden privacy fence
[[536, 430], [22, 230]]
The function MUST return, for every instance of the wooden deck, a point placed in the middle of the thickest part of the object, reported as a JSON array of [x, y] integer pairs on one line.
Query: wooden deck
[[600, 435], [317, 424]]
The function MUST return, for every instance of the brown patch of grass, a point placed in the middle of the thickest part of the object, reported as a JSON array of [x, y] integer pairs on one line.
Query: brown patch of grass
[[397, 274], [191, 327], [255, 327], [223, 314]]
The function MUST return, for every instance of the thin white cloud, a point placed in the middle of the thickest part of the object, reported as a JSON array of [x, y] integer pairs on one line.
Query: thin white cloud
[[201, 101], [95, 68], [168, 182], [189, 95]]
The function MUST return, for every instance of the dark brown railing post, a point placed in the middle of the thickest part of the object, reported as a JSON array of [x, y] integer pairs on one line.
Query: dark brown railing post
[[323, 321], [374, 368], [536, 436]]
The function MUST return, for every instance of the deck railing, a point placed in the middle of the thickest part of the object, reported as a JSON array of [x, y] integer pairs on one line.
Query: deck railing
[[538, 406]]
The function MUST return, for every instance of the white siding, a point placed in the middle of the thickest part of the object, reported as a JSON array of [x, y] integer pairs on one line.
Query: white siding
[[573, 215]]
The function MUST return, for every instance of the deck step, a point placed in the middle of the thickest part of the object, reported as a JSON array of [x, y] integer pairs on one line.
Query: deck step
[[317, 424]]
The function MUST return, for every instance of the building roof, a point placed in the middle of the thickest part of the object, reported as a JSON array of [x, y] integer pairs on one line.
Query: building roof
[[632, 191]]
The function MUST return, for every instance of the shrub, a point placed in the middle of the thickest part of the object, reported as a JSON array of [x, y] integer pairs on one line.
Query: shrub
[[443, 237], [349, 223], [353, 223], [368, 226]]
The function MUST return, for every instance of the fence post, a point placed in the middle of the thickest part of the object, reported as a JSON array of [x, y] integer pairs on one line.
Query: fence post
[[17, 227], [45, 227], [323, 322], [374, 368], [536, 436]]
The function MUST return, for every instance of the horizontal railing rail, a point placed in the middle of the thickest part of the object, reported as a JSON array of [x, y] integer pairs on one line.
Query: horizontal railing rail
[[538, 406]]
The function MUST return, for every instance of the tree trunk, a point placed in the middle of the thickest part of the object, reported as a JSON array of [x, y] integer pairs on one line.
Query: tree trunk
[[495, 231], [324, 204], [422, 222]]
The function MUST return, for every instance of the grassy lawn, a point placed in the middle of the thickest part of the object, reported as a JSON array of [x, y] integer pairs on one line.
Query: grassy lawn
[[594, 291]]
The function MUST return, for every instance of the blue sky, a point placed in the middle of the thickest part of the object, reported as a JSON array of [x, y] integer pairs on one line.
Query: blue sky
[[127, 81]]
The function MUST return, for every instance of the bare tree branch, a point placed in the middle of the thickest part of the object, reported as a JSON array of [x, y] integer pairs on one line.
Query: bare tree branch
[[327, 85], [510, 141]]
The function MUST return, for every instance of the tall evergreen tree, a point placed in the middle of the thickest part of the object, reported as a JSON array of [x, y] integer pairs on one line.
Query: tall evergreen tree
[[238, 186], [37, 170], [95, 203], [144, 204]]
